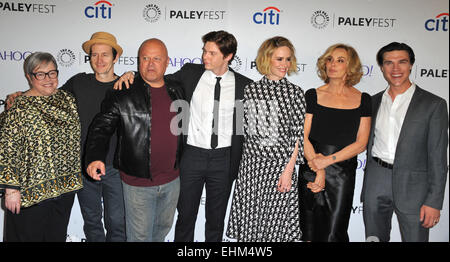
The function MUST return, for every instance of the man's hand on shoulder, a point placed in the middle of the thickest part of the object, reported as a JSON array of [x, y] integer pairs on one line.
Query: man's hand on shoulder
[[127, 78], [10, 99]]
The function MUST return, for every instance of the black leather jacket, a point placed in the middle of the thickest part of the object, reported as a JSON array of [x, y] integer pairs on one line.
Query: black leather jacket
[[129, 112]]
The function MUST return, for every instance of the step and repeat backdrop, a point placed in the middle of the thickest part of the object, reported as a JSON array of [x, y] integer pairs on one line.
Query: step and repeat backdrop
[[61, 26]]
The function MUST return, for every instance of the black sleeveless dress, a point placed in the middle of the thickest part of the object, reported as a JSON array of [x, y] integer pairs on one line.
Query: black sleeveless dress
[[325, 215]]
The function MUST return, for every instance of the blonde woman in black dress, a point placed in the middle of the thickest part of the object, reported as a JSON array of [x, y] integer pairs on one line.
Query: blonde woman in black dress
[[337, 125], [265, 199]]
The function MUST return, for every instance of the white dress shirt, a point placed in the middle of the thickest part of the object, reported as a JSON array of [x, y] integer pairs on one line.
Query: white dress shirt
[[201, 113], [390, 117]]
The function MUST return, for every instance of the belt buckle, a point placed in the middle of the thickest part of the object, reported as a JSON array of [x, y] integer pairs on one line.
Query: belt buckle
[[382, 163]]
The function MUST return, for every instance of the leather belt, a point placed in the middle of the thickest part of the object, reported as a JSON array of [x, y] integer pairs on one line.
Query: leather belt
[[382, 163]]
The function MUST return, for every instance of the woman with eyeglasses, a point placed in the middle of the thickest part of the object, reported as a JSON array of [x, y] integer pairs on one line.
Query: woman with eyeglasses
[[40, 166]]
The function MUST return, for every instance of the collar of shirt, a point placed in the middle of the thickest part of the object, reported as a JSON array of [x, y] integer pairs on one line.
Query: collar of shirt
[[212, 77], [201, 113], [405, 96], [390, 117]]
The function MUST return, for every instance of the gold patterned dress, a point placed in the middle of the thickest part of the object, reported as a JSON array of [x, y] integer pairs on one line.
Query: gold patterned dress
[[40, 147]]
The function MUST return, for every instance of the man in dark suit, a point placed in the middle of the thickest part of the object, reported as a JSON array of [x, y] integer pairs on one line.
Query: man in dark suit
[[406, 168], [213, 148]]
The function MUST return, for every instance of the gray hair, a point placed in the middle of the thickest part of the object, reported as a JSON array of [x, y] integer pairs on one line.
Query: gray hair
[[35, 59]]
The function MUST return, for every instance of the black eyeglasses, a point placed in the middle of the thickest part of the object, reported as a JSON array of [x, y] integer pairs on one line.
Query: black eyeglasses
[[52, 74]]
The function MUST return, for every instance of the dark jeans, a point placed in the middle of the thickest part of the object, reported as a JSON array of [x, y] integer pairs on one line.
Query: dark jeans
[[199, 167], [109, 191], [43, 222]]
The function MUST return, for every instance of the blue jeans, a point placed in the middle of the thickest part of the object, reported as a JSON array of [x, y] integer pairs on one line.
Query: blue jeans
[[109, 189], [150, 211]]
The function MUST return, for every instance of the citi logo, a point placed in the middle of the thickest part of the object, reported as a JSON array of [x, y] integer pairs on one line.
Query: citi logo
[[270, 15], [101, 9], [440, 23]]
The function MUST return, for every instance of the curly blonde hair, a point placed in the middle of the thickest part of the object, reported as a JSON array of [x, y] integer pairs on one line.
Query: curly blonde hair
[[354, 67]]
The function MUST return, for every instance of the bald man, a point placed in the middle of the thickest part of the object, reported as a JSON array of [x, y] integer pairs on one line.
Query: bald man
[[147, 153]]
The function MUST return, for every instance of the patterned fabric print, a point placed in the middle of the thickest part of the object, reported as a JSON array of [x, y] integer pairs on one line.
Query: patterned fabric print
[[40, 147], [260, 213], [273, 119]]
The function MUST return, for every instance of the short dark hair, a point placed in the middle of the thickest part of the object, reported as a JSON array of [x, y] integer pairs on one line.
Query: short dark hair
[[226, 42], [395, 46]]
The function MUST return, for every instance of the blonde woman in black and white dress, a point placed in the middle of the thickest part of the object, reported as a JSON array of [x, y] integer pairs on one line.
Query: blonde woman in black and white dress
[[265, 200]]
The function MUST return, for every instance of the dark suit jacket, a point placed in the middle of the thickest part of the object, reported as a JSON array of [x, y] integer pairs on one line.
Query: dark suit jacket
[[188, 77], [420, 165]]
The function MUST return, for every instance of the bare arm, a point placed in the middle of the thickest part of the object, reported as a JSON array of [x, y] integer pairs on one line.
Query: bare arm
[[310, 154], [321, 161], [285, 181]]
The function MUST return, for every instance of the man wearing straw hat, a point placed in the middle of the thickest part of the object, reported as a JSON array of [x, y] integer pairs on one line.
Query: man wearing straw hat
[[89, 91]]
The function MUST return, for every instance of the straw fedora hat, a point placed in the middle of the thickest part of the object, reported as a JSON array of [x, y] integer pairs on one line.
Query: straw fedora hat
[[102, 38]]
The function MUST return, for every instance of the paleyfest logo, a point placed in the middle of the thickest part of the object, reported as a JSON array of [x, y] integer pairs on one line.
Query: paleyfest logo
[[151, 13], [27, 7], [320, 19], [236, 64], [65, 57]]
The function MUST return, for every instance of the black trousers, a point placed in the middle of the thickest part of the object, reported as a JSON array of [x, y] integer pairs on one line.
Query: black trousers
[[43, 222], [203, 167]]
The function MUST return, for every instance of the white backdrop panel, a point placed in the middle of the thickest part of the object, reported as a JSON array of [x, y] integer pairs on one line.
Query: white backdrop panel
[[60, 27]]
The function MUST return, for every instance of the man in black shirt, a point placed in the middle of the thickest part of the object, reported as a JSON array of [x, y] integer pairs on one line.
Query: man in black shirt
[[89, 91]]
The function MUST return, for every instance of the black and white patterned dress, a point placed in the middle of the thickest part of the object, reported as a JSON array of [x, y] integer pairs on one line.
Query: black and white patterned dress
[[273, 122]]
